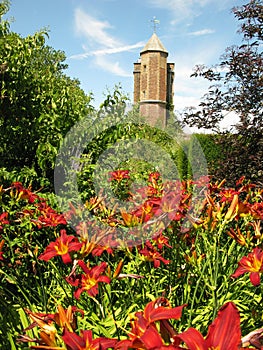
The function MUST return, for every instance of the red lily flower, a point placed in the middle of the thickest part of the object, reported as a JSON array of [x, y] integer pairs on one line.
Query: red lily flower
[[154, 176], [3, 219], [99, 249], [160, 309], [172, 206], [89, 281], [44, 208], [151, 254], [256, 210], [223, 334], [227, 195], [119, 175], [62, 246], [144, 333], [149, 340], [148, 209], [160, 240], [24, 193], [48, 216], [76, 342], [1, 247], [252, 263], [146, 192], [52, 219]]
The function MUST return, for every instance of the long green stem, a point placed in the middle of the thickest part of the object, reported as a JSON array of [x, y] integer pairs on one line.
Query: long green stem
[[200, 279], [112, 311], [216, 267]]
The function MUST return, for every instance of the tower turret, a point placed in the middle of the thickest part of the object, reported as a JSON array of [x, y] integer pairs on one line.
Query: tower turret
[[153, 82]]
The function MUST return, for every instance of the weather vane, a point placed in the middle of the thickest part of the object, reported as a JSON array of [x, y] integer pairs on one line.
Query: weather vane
[[155, 22]]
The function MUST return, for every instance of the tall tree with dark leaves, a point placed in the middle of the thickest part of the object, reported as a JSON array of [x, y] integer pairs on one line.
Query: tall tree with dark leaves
[[237, 87]]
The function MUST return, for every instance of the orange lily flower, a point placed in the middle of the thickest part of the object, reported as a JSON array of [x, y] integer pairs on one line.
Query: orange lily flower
[[130, 220], [64, 318], [237, 236], [252, 263], [119, 175], [48, 333], [233, 209], [62, 246]]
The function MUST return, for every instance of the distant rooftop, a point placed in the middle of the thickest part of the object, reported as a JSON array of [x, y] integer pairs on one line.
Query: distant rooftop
[[154, 44]]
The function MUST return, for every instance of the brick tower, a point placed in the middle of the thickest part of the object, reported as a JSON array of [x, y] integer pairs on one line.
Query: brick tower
[[153, 82]]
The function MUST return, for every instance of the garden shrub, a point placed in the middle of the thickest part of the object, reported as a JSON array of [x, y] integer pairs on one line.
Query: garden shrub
[[213, 151]]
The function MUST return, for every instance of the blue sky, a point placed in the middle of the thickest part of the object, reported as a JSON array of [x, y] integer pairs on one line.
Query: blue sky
[[103, 38]]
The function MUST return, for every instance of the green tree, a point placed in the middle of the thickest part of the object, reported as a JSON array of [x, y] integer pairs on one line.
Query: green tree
[[39, 103], [237, 78], [236, 86]]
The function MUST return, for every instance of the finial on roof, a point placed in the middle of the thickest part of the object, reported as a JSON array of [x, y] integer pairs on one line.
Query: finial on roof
[[155, 22]]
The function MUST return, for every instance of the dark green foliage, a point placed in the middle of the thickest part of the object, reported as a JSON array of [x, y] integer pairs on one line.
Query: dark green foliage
[[242, 155], [38, 103], [198, 151], [212, 149], [182, 159]]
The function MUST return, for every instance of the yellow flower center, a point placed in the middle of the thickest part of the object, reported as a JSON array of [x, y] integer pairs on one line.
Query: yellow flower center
[[61, 248], [256, 265], [89, 282]]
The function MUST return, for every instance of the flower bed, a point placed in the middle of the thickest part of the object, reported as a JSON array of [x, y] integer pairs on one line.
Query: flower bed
[[170, 264]]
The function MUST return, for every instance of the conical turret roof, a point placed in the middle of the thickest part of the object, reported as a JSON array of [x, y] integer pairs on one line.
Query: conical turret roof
[[154, 44]]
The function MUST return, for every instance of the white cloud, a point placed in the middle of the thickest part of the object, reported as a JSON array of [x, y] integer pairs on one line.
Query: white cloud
[[112, 67], [109, 51], [181, 9], [201, 32], [103, 44], [94, 30], [188, 91]]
